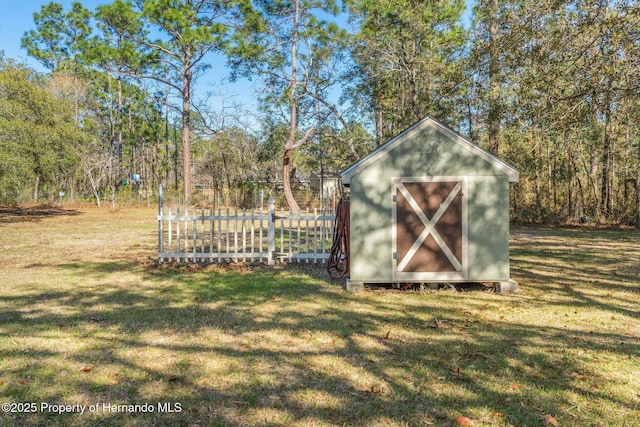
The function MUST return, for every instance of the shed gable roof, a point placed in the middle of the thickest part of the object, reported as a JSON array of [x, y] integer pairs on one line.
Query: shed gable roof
[[510, 171]]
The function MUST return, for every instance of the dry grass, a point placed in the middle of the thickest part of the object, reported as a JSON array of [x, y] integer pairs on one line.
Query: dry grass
[[86, 318]]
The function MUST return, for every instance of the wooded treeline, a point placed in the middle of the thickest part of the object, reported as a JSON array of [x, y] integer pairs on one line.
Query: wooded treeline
[[551, 86]]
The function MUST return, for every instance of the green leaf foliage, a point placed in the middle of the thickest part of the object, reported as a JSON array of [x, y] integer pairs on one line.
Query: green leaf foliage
[[38, 137], [59, 36], [408, 60]]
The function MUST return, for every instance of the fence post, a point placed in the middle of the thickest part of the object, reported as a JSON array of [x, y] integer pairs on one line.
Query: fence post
[[160, 221], [271, 231]]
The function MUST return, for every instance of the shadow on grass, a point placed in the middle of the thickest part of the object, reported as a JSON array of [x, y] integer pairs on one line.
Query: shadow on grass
[[592, 268], [17, 214], [280, 347]]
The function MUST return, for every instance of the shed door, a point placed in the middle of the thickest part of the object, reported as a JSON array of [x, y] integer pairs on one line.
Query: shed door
[[430, 229]]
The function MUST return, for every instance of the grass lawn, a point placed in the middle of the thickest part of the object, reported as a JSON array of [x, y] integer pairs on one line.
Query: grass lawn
[[87, 319]]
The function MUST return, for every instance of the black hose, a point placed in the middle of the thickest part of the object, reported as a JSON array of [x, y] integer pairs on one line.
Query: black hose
[[338, 263]]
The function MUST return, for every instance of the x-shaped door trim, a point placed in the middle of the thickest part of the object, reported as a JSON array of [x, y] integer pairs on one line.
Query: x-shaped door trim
[[459, 262], [429, 227]]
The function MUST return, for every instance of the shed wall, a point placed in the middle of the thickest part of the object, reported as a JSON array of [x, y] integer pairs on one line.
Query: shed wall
[[429, 153]]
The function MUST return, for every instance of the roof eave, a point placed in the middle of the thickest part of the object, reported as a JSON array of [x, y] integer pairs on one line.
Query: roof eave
[[371, 157], [346, 175]]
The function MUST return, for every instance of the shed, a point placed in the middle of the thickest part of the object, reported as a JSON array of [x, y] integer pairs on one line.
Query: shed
[[429, 206], [326, 182]]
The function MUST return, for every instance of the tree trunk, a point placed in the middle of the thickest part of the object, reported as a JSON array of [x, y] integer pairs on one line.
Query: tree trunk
[[94, 186], [571, 206], [494, 82], [593, 183], [186, 130], [638, 192], [286, 183], [638, 201], [605, 190], [36, 188], [120, 129], [538, 190], [293, 118], [176, 175], [112, 135], [154, 161]]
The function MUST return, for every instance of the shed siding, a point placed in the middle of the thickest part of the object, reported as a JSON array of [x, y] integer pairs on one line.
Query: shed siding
[[429, 153], [488, 211], [370, 230]]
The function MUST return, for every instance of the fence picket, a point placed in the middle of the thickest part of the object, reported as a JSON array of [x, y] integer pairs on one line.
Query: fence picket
[[219, 236], [210, 233], [244, 235], [307, 233], [203, 231], [160, 231], [178, 231], [298, 236], [227, 231], [170, 235], [235, 236], [315, 231], [281, 233], [195, 234], [185, 235], [271, 231], [290, 238]]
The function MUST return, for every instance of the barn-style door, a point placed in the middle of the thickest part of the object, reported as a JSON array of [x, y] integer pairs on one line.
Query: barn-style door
[[429, 229]]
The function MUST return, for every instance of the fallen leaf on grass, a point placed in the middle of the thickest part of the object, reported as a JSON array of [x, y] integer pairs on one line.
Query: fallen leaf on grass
[[516, 386], [550, 421], [85, 370], [376, 390], [462, 421]]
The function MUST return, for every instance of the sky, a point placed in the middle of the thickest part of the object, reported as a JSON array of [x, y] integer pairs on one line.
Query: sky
[[16, 18]]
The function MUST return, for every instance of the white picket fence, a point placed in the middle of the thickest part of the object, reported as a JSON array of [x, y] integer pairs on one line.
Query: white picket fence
[[241, 235]]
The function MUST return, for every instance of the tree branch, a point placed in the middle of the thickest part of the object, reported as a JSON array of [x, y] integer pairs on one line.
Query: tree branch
[[301, 141]]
